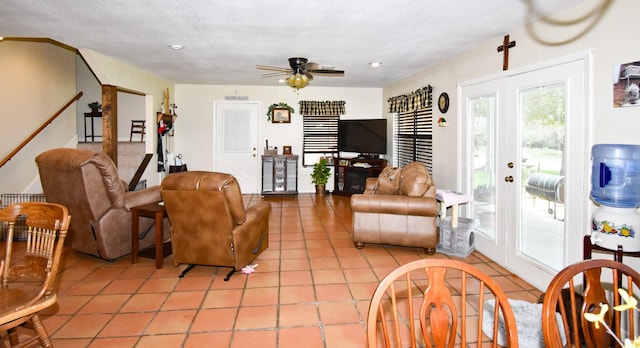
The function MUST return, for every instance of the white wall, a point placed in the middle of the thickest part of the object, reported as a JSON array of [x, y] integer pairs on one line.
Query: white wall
[[91, 91], [194, 125]]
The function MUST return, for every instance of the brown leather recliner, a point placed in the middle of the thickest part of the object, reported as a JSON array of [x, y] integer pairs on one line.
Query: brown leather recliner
[[209, 222], [398, 208], [87, 183]]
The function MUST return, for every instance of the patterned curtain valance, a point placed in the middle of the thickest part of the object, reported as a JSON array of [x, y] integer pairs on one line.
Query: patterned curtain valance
[[322, 108], [420, 99]]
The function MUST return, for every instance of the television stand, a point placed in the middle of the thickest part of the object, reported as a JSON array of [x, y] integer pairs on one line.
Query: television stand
[[368, 156], [351, 174]]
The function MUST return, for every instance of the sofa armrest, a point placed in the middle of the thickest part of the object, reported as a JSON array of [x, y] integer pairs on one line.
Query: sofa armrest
[[257, 211], [140, 197], [394, 204], [370, 184]]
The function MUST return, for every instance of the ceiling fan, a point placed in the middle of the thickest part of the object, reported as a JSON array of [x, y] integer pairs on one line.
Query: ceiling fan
[[300, 72]]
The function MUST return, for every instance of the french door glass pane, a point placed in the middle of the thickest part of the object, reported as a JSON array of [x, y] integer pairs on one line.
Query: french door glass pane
[[543, 112], [482, 112]]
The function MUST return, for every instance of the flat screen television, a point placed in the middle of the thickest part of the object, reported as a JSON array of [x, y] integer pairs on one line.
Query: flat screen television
[[367, 137]]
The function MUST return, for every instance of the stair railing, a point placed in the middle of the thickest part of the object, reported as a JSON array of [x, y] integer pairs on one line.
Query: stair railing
[[37, 131]]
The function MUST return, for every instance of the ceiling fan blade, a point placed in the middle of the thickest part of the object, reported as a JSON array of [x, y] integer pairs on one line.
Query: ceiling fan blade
[[327, 72], [307, 74], [311, 66], [274, 74], [272, 68]]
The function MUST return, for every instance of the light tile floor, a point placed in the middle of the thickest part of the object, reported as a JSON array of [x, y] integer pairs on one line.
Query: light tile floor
[[311, 288]]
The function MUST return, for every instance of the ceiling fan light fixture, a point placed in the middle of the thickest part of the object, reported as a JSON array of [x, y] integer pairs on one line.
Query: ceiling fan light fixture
[[297, 80]]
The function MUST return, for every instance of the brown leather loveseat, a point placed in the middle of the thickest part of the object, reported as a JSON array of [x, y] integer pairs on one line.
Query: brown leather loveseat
[[397, 208], [209, 222], [88, 184]]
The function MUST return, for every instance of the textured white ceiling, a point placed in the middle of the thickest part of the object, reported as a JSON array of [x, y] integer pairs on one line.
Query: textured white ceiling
[[225, 39]]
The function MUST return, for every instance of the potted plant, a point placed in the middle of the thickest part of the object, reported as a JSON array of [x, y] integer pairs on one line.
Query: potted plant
[[320, 175], [95, 106]]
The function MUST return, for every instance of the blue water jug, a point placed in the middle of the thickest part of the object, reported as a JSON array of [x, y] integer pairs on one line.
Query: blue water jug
[[615, 175]]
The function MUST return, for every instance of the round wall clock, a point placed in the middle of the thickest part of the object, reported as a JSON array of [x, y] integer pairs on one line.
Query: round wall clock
[[443, 102]]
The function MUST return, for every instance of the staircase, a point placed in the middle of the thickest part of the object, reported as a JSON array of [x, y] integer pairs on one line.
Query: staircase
[[130, 155]]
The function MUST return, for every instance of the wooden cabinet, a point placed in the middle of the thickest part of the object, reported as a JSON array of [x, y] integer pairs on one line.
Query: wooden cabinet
[[279, 174], [351, 174]]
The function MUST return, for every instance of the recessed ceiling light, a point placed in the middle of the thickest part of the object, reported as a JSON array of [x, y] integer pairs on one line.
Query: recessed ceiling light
[[176, 47], [375, 64], [280, 80]]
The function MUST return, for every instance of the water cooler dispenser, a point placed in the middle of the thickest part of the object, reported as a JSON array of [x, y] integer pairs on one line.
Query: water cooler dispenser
[[615, 185]]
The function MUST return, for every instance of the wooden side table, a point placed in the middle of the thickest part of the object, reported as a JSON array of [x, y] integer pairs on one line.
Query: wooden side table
[[152, 210], [91, 116], [588, 247]]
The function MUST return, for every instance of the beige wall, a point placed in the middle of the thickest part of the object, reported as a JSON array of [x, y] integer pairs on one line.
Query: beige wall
[[194, 127], [37, 80]]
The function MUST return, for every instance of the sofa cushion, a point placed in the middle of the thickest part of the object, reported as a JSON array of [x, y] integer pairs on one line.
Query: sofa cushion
[[414, 180], [388, 181]]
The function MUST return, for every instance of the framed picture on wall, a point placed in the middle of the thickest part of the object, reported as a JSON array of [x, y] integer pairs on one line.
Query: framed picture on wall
[[281, 116], [626, 82]]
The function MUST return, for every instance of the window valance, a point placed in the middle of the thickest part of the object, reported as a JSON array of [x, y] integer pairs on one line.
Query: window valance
[[322, 108], [419, 99]]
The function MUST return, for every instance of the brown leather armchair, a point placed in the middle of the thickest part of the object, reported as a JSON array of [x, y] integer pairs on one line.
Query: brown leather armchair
[[209, 222], [87, 183], [398, 208]]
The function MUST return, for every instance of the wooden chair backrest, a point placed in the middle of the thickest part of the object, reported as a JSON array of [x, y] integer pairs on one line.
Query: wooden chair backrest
[[47, 225], [581, 288], [443, 298]]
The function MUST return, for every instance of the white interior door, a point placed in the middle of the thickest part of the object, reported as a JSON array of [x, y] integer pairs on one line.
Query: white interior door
[[236, 134], [524, 135]]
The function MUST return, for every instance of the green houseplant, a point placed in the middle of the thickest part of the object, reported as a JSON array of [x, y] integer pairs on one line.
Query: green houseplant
[[320, 175], [94, 106]]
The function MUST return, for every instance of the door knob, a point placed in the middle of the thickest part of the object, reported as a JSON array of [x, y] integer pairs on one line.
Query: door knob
[[510, 164], [508, 178]]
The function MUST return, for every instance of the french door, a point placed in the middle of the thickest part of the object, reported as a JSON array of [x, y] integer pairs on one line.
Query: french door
[[524, 145], [236, 142]]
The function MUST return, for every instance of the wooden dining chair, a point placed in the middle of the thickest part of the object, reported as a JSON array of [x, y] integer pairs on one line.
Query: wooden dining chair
[[439, 303], [581, 288], [28, 281]]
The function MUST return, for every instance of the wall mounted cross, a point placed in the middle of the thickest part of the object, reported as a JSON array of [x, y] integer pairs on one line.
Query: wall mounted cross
[[504, 48]]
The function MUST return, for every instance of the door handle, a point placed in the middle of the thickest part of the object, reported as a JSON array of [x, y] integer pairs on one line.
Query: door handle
[[508, 178]]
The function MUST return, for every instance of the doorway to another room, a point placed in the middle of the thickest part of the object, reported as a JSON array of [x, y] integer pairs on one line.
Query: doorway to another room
[[236, 142]]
